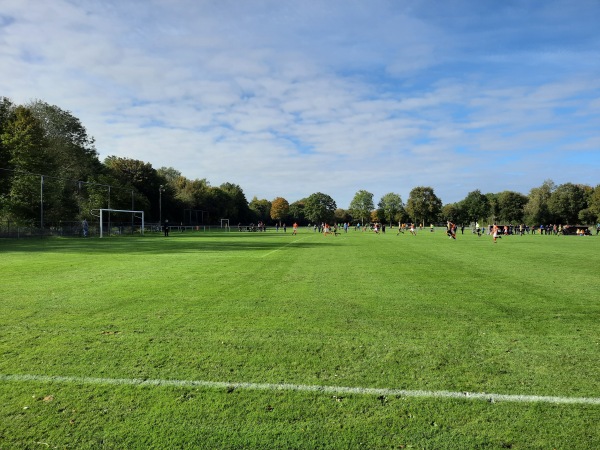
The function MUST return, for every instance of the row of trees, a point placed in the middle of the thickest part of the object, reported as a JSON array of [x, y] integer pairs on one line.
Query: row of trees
[[567, 203], [50, 173], [548, 204]]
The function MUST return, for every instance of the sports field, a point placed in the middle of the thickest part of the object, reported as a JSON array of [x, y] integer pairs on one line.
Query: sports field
[[268, 340]]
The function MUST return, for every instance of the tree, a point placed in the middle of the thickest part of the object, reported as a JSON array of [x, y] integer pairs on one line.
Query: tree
[[140, 175], [296, 211], [74, 156], [594, 204], [566, 202], [587, 216], [216, 203], [104, 191], [391, 207], [133, 172], [238, 205], [261, 209], [279, 209], [23, 136], [191, 193], [511, 206], [193, 197], [475, 206], [173, 207], [342, 216], [169, 174], [67, 139], [319, 207], [452, 212], [536, 210], [362, 205], [6, 116], [423, 205]]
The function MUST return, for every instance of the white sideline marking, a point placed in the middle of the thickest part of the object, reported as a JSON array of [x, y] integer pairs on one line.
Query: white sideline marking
[[307, 388], [282, 247]]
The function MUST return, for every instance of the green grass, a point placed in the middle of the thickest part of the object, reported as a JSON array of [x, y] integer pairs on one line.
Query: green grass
[[519, 317]]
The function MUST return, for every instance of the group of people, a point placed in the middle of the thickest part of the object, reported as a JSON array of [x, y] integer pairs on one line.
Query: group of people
[[259, 227], [327, 229], [582, 232], [451, 229], [402, 227], [495, 230]]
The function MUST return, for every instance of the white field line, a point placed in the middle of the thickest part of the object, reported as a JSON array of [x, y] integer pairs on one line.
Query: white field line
[[282, 247], [304, 388]]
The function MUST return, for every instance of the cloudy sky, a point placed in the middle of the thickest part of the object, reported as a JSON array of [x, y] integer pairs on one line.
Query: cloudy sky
[[287, 98]]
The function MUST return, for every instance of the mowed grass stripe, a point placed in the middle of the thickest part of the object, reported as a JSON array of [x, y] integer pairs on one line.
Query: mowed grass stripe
[[295, 241], [305, 388], [444, 321]]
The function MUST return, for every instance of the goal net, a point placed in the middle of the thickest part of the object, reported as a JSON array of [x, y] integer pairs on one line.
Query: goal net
[[120, 221]]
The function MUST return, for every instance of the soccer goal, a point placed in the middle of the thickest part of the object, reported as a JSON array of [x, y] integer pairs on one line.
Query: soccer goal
[[116, 221], [225, 224]]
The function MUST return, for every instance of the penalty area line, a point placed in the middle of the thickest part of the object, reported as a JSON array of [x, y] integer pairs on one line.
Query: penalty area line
[[304, 388]]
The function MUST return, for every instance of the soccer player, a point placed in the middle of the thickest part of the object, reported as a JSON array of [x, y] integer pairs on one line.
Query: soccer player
[[400, 228], [495, 232], [451, 230]]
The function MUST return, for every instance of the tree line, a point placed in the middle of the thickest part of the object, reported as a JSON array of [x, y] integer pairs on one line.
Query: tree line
[[50, 173]]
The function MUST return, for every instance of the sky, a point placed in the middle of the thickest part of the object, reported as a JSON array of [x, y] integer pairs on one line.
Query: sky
[[288, 98]]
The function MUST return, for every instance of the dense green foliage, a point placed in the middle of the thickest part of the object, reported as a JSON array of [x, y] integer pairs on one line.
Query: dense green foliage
[[423, 206], [519, 317], [50, 174], [319, 207], [362, 205], [391, 208]]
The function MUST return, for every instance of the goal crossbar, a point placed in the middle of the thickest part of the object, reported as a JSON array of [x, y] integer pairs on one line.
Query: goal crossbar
[[103, 210]]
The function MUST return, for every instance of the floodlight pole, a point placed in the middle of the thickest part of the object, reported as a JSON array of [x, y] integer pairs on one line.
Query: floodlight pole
[[42, 202], [132, 214], [109, 209], [160, 191]]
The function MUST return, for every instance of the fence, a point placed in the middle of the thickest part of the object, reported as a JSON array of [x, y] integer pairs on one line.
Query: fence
[[9, 229], [64, 229]]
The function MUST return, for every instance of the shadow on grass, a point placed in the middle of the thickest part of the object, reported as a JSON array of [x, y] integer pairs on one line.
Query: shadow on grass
[[158, 244]]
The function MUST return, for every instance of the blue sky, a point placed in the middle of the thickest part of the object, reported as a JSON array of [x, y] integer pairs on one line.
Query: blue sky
[[288, 98]]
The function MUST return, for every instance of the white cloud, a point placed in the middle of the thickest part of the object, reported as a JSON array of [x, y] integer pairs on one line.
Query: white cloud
[[286, 99]]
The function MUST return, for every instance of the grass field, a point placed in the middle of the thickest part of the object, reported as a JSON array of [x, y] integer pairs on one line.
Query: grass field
[[268, 340]]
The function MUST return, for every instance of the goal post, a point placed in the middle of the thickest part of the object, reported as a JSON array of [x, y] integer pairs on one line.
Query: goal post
[[225, 224], [108, 211]]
